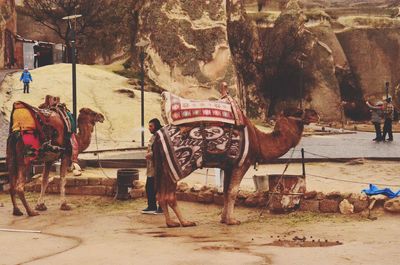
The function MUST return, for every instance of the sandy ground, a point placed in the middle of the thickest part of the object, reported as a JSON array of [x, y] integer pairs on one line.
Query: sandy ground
[[96, 89], [103, 231]]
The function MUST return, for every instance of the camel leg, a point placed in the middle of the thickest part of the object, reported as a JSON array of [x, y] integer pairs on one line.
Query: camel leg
[[63, 171], [227, 179], [168, 220], [12, 165], [16, 210], [235, 179], [40, 206], [174, 205], [163, 196], [20, 191]]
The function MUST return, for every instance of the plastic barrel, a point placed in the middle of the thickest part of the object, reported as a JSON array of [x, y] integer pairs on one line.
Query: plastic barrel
[[125, 178]]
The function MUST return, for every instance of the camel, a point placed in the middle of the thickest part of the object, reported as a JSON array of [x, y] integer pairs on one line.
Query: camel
[[18, 164], [262, 147]]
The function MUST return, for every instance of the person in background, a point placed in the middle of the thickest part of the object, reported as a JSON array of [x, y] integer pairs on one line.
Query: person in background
[[154, 126], [376, 118], [26, 78], [36, 54], [388, 114]]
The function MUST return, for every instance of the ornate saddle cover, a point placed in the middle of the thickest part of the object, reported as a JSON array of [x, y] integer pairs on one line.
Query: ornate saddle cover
[[36, 130], [195, 147], [176, 110]]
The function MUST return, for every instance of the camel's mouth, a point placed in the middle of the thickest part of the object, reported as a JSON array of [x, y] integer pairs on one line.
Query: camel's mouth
[[100, 118]]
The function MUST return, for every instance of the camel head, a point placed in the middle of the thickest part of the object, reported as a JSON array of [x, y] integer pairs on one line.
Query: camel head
[[307, 116], [89, 116]]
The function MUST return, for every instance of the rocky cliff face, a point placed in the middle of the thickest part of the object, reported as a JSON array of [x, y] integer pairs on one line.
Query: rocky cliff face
[[7, 22], [188, 52], [361, 45]]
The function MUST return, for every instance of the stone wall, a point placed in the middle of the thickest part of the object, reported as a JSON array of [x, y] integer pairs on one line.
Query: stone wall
[[312, 201]]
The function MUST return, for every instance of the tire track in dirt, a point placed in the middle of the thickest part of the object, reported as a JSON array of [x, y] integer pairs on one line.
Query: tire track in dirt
[[104, 112], [78, 242]]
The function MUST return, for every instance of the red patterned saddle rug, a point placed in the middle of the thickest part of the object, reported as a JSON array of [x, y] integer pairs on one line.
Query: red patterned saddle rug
[[211, 146], [176, 110], [35, 127]]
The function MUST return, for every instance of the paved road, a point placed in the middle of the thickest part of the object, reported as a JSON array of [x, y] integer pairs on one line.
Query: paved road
[[348, 145]]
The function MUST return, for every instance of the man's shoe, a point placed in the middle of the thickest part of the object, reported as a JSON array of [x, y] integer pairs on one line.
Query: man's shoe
[[390, 139], [159, 211], [148, 211]]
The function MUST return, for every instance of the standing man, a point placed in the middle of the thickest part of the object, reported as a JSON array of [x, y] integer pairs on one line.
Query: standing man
[[26, 78], [388, 113], [154, 126], [36, 54], [376, 114]]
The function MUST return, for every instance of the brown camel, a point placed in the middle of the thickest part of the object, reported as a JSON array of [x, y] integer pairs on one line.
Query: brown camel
[[18, 165], [262, 147]]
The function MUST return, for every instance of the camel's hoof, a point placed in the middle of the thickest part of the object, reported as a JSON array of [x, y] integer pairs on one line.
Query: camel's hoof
[[41, 207], [233, 222], [172, 224], [33, 213], [17, 212], [188, 223], [222, 221], [65, 207]]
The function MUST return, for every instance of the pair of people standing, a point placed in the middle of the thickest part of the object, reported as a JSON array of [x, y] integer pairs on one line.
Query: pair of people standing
[[379, 111]]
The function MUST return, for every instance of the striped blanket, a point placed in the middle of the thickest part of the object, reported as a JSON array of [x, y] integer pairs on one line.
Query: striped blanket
[[177, 110], [189, 148]]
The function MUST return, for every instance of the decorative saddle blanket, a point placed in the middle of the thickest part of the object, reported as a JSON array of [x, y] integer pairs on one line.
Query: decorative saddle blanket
[[176, 110], [34, 126], [195, 147]]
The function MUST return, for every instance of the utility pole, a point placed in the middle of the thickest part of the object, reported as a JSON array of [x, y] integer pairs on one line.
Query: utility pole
[[72, 38], [142, 45], [387, 89]]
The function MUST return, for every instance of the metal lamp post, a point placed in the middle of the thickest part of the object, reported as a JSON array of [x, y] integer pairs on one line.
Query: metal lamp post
[[72, 38], [387, 89], [142, 44]]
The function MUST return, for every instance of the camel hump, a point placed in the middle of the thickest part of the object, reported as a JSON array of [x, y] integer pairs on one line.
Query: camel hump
[[177, 111], [50, 101]]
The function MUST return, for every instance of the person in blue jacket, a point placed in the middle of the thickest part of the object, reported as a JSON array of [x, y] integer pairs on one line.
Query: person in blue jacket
[[26, 77]]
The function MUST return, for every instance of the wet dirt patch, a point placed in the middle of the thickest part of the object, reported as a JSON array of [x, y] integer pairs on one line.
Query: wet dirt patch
[[165, 235], [303, 242], [223, 248]]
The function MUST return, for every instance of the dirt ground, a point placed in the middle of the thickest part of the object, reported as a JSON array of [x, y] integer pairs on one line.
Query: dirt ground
[[100, 230]]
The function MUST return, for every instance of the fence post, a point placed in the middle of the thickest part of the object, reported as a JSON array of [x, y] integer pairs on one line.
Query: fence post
[[302, 162]]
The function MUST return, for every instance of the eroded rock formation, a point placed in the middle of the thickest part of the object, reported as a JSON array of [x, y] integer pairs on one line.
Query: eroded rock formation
[[188, 52], [7, 31]]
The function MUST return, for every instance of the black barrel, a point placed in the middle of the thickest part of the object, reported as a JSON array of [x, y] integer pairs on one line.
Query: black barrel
[[125, 178]]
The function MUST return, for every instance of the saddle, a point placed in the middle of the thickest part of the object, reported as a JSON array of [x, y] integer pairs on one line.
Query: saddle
[[190, 112], [37, 129]]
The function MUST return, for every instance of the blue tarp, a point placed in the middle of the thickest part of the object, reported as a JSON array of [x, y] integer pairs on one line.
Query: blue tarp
[[374, 190]]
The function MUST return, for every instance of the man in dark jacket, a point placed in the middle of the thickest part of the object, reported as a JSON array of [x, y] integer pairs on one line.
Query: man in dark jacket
[[154, 126], [36, 54], [388, 113]]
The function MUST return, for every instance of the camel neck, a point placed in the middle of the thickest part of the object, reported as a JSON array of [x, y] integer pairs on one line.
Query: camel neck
[[84, 136], [287, 134]]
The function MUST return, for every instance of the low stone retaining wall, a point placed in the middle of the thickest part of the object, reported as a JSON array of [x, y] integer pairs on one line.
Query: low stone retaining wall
[[78, 186], [334, 202]]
